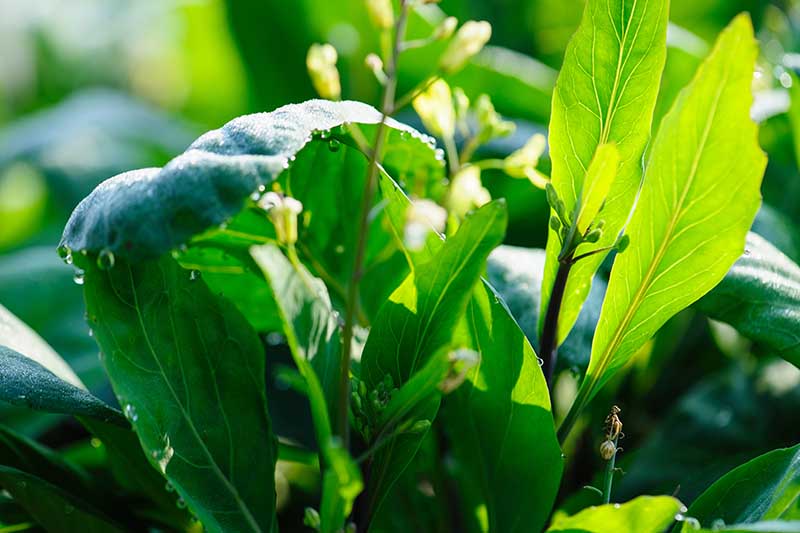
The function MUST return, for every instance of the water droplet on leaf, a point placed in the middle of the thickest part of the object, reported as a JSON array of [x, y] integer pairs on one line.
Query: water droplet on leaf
[[78, 277], [105, 260]]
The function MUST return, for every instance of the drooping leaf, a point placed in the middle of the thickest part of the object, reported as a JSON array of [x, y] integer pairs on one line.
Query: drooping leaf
[[506, 394], [605, 93], [766, 488], [760, 297], [55, 509], [645, 514], [417, 321], [26, 383], [189, 371], [690, 223]]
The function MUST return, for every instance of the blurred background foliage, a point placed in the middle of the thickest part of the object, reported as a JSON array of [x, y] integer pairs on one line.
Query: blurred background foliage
[[92, 88]]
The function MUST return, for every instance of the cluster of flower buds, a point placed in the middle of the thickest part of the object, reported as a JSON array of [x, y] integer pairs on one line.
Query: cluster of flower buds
[[282, 211], [367, 405], [321, 64]]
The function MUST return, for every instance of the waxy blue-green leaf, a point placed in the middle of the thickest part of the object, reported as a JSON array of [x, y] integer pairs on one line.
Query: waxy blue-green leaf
[[690, 222], [145, 213], [189, 372], [312, 333], [26, 383], [766, 488], [760, 297], [55, 509], [605, 93], [18, 337], [645, 514], [416, 322], [504, 406]]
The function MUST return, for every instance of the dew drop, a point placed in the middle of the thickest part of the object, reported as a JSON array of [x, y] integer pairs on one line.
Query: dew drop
[[339, 249], [169, 487], [334, 145], [262, 188], [105, 260], [181, 503], [404, 134], [64, 252], [130, 412], [69, 509], [540, 361], [68, 259], [324, 134], [91, 333], [194, 275], [255, 196], [274, 339], [439, 154], [78, 277]]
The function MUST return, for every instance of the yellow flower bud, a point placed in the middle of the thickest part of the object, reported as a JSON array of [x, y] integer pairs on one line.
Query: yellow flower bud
[[321, 64], [381, 13], [467, 192], [522, 163], [445, 29], [468, 41], [282, 212], [435, 107]]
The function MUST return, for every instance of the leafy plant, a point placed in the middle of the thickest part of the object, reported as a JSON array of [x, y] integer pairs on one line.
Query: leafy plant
[[308, 318]]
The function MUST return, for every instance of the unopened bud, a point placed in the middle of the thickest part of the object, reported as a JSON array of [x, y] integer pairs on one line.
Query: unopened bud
[[468, 41], [375, 64], [311, 519], [420, 426], [321, 64], [467, 192], [446, 29], [593, 236], [381, 13], [555, 223], [282, 212], [623, 243], [607, 450], [435, 107]]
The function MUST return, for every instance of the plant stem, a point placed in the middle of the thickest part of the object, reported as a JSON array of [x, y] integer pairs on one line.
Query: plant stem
[[351, 305], [548, 347], [609, 478]]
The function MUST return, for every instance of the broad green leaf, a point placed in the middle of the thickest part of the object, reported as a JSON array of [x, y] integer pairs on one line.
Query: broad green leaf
[[18, 337], [416, 322], [506, 393], [605, 93], [645, 514], [690, 223], [599, 178], [56, 510], [501, 424], [189, 371], [765, 488], [26, 383], [760, 297], [312, 332]]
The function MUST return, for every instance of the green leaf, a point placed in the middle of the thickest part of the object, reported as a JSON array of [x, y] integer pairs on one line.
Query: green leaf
[[794, 114], [765, 488], [760, 297], [189, 371], [55, 509], [507, 393], [605, 93], [417, 321], [771, 526], [502, 428], [690, 224], [18, 337], [599, 178], [26, 383], [645, 514]]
